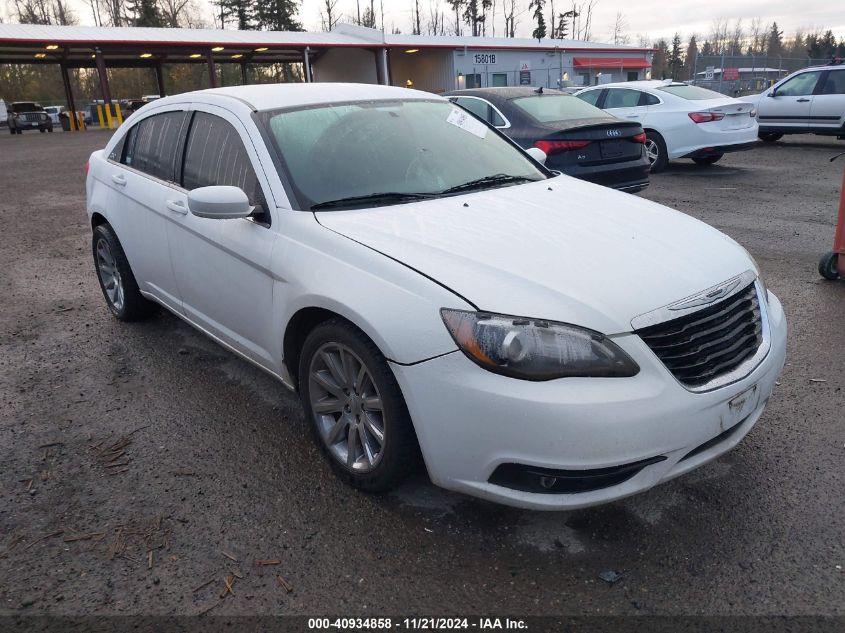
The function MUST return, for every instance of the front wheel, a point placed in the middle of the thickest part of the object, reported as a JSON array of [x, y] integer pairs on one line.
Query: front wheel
[[829, 266], [120, 289], [708, 160], [655, 148], [355, 408]]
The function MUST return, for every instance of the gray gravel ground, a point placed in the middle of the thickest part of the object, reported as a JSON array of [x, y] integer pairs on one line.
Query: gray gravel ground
[[220, 461]]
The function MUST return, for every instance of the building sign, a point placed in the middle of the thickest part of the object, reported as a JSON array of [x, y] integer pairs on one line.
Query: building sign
[[524, 77], [523, 66], [484, 58], [730, 74], [709, 73]]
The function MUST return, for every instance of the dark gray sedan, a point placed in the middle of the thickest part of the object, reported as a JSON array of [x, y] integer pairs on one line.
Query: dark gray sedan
[[579, 139]]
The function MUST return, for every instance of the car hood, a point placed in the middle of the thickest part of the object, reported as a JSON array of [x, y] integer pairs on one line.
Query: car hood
[[559, 249]]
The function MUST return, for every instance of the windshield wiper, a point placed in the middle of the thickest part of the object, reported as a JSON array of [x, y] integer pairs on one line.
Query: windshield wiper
[[386, 197], [482, 183]]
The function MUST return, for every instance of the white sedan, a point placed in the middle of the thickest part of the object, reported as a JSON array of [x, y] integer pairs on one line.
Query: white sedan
[[680, 121], [430, 289]]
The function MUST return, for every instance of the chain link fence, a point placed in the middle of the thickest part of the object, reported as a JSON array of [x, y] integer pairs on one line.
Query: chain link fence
[[738, 75]]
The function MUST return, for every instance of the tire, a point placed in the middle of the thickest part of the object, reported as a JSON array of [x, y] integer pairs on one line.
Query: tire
[[42, 130], [656, 150], [708, 160], [828, 266], [121, 290], [50, 130], [18, 131], [350, 407], [769, 137]]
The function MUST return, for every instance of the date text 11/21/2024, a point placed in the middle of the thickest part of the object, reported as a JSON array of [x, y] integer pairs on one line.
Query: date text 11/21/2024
[[422, 623]]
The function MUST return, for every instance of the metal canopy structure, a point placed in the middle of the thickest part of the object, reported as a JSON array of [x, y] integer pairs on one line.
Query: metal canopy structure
[[73, 47]]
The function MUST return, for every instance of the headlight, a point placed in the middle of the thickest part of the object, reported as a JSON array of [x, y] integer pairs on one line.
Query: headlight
[[533, 349]]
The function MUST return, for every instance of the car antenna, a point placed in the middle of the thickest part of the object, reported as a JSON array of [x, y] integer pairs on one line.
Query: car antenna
[[539, 90]]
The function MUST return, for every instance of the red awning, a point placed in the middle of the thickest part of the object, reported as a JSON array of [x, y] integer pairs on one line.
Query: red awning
[[611, 62]]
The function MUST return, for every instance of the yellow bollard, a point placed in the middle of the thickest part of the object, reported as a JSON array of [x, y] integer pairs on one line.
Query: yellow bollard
[[109, 119], [118, 114], [100, 115]]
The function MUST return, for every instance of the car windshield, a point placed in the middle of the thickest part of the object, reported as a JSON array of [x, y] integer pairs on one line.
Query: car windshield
[[26, 107], [388, 152], [550, 107], [692, 93]]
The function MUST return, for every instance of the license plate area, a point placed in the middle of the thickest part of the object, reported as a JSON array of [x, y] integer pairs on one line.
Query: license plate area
[[613, 149], [741, 406]]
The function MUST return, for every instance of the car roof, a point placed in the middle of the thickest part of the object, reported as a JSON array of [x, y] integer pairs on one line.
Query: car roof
[[504, 92], [643, 84], [271, 96]]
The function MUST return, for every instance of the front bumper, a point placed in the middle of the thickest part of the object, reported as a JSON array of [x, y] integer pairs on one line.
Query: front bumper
[[469, 422]]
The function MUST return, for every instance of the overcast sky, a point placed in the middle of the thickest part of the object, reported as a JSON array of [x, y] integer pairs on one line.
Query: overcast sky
[[655, 18]]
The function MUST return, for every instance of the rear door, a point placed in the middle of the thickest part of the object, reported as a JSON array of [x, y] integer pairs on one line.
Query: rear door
[[484, 110], [828, 110], [790, 103], [625, 103], [222, 266], [141, 175]]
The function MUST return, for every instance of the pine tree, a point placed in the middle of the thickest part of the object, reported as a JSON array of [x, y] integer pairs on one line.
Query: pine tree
[[540, 32], [675, 61], [456, 7], [237, 12], [277, 15], [774, 47], [146, 13]]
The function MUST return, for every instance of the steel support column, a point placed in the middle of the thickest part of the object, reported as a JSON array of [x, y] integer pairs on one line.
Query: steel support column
[[104, 77], [212, 69], [244, 80], [382, 71], [306, 64], [160, 78], [69, 96]]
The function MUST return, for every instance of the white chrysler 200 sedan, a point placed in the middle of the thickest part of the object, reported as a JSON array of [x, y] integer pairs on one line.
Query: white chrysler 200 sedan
[[430, 289]]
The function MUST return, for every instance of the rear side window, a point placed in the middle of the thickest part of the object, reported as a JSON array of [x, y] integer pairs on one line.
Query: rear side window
[[622, 98], [479, 108], [154, 143], [591, 97], [215, 155], [834, 84], [649, 99]]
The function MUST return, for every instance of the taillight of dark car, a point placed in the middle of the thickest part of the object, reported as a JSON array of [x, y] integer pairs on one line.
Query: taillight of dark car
[[706, 117], [639, 138], [555, 147]]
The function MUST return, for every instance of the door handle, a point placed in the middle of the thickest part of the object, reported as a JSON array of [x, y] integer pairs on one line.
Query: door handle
[[177, 207], [119, 180], [633, 116], [803, 100]]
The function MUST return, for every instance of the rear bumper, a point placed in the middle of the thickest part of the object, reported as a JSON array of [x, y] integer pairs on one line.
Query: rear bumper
[[628, 176], [721, 149]]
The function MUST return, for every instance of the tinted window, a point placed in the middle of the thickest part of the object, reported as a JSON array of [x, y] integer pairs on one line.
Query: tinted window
[[154, 143], [557, 107], [649, 99], [800, 85], [215, 155], [692, 93], [591, 96], [497, 119], [117, 152], [622, 98], [478, 107], [834, 84]]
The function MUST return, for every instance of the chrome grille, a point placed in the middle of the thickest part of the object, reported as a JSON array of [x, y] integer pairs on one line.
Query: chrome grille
[[33, 117], [700, 347]]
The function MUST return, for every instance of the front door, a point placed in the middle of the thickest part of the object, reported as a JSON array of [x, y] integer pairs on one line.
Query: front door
[[790, 103], [222, 266]]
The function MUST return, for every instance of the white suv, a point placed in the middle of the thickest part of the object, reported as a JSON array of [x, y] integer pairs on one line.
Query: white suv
[[811, 100], [428, 287]]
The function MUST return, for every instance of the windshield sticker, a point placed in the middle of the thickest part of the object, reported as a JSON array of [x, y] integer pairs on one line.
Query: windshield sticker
[[467, 122]]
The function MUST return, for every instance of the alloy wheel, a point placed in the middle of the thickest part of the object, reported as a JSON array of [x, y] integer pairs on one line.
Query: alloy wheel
[[652, 151], [109, 275], [347, 407]]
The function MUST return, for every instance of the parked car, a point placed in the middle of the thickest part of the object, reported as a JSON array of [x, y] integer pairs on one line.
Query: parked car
[[428, 287], [810, 101], [26, 115], [53, 112], [579, 139], [680, 121]]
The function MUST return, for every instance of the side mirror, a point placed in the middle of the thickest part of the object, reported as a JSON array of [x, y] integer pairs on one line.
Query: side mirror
[[537, 154], [219, 203]]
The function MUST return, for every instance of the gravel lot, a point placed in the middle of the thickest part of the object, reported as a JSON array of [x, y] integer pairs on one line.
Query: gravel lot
[[219, 464]]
